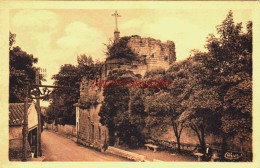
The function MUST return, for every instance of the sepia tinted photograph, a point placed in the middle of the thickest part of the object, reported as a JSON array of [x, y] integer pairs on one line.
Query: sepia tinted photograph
[[131, 85]]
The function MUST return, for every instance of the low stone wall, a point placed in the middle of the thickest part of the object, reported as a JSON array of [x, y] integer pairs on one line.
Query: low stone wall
[[67, 129], [64, 129], [50, 126], [167, 145], [125, 154]]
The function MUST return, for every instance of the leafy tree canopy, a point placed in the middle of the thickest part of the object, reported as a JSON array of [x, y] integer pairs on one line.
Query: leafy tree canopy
[[70, 76], [21, 66], [225, 78], [121, 51], [115, 112]]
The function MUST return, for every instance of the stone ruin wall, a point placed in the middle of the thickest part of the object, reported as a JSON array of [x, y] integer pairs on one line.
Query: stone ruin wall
[[94, 134], [153, 54], [156, 53], [91, 132]]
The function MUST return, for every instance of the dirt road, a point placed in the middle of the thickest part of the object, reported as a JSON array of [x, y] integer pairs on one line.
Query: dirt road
[[59, 148]]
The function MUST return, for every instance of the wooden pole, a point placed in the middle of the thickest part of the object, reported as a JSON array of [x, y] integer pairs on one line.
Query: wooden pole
[[25, 124], [39, 149]]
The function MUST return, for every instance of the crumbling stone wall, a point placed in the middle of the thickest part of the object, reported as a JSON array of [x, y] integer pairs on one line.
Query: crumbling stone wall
[[90, 131], [155, 53], [152, 53]]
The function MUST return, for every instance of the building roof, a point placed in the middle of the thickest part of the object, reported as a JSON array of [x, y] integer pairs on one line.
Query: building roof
[[16, 111]]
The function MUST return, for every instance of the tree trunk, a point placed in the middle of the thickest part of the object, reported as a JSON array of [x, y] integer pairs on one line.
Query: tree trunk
[[179, 144], [224, 145], [111, 133], [202, 143], [177, 133], [201, 136], [242, 150]]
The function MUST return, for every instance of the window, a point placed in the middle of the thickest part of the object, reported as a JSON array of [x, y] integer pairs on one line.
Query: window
[[152, 56]]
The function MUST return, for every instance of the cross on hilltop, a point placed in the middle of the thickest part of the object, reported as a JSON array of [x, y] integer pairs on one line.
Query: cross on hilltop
[[116, 16]]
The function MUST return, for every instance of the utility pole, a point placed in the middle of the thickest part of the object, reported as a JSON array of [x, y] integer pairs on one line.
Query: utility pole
[[25, 120], [37, 81]]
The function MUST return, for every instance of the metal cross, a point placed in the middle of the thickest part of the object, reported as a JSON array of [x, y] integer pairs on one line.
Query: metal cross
[[116, 16]]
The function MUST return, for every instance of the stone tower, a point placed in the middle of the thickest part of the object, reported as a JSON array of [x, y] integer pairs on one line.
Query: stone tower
[[152, 52]]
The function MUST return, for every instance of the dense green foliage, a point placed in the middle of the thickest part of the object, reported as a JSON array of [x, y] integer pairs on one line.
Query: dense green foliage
[[63, 99], [232, 55], [61, 108], [121, 51], [115, 112], [21, 66], [210, 92]]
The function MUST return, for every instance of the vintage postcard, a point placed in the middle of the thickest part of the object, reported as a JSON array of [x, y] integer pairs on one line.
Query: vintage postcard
[[129, 81]]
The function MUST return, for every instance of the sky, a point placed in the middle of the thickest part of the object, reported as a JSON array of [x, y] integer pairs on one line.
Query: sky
[[56, 37]]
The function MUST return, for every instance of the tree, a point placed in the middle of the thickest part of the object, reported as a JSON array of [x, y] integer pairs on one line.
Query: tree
[[180, 90], [63, 99], [114, 112], [159, 105], [86, 66], [121, 51], [21, 66], [162, 112], [205, 76], [238, 107], [228, 64], [172, 54], [137, 115], [71, 76], [11, 40]]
